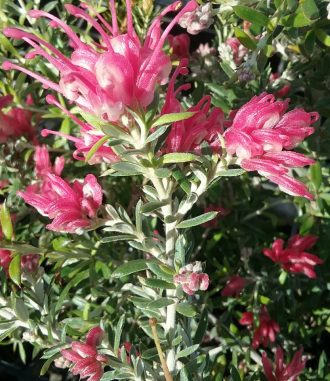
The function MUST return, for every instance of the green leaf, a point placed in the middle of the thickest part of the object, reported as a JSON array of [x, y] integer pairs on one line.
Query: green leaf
[[115, 238], [316, 175], [96, 147], [160, 303], [245, 39], [15, 269], [297, 20], [323, 36], [187, 351], [21, 310], [309, 9], [197, 220], [201, 328], [177, 157], [47, 364], [153, 205], [230, 172], [159, 271], [156, 134], [6, 224], [171, 118], [234, 374], [186, 309], [118, 332], [130, 267], [127, 169], [158, 283], [252, 15]]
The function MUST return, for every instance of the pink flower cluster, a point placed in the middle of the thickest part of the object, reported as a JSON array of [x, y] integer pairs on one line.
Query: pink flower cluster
[[204, 125], [16, 122], [73, 208], [262, 134], [192, 279], [266, 329], [198, 19], [283, 372], [117, 72], [86, 360], [294, 258]]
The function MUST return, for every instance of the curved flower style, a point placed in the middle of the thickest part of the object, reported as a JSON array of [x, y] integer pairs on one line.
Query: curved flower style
[[192, 278], [204, 125], [266, 330], [104, 78], [261, 135], [16, 122], [294, 258], [87, 362], [283, 372], [73, 208], [89, 137], [234, 286]]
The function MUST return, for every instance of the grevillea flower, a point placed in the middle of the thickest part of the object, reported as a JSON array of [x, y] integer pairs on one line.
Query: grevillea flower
[[106, 77], [89, 137], [234, 286], [86, 361], [43, 164], [73, 208], [180, 45], [239, 50], [283, 372], [198, 19], [205, 125], [294, 258], [266, 329], [192, 279], [16, 122], [261, 135]]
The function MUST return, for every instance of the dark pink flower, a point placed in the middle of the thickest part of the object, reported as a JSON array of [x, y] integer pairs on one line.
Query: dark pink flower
[[5, 259], [192, 279], [73, 208], [43, 165], [283, 372], [261, 135], [294, 258], [234, 286], [204, 125], [86, 361], [266, 330], [180, 45], [16, 122], [106, 77]]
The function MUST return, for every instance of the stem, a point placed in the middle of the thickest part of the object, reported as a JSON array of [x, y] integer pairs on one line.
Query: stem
[[153, 325]]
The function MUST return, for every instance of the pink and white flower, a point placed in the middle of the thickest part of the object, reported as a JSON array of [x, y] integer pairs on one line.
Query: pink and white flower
[[86, 361], [192, 279], [198, 19], [73, 208], [261, 136], [105, 78]]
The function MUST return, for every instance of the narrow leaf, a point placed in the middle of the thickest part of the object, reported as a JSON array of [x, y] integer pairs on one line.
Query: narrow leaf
[[118, 332], [178, 157], [15, 269], [187, 351], [96, 147], [170, 118], [6, 224], [197, 220], [186, 309], [252, 15], [156, 134], [130, 267]]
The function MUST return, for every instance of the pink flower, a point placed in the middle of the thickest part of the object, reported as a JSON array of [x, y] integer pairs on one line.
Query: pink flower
[[266, 330], [294, 258], [261, 135], [87, 362], [4, 183], [283, 372], [180, 45], [234, 286], [198, 19], [192, 279], [204, 125], [105, 77], [73, 208], [43, 165], [16, 122], [5, 259], [89, 136], [239, 50]]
